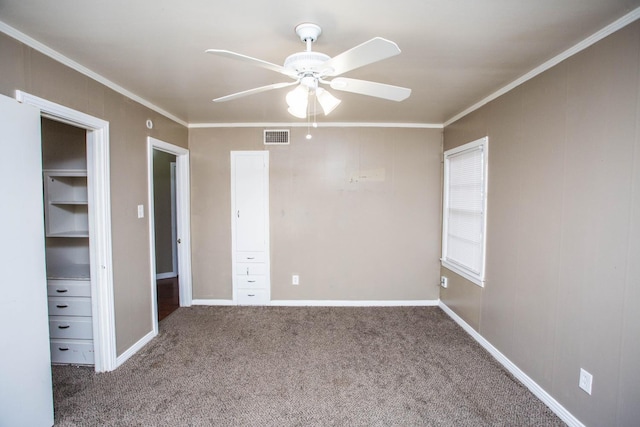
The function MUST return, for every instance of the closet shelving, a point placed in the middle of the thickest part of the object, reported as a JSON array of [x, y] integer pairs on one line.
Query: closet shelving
[[66, 206]]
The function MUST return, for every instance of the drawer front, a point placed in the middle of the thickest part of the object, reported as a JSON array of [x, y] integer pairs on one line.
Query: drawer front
[[69, 306], [69, 288], [250, 257], [253, 297], [70, 351], [253, 282], [71, 327], [249, 269]]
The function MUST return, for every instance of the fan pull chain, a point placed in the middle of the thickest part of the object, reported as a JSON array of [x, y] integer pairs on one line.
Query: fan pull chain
[[309, 120]]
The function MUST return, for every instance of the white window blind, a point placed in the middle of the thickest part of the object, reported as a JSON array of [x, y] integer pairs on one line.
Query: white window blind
[[463, 244]]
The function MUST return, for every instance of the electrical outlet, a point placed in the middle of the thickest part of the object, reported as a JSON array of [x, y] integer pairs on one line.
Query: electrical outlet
[[444, 282], [295, 279], [586, 380]]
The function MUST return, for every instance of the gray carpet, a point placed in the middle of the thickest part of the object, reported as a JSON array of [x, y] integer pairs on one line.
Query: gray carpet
[[285, 366]]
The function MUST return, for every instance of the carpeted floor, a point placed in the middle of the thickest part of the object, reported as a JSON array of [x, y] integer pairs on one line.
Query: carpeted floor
[[301, 366]]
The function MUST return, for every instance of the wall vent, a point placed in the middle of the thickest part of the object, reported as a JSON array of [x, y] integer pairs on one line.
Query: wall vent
[[276, 136]]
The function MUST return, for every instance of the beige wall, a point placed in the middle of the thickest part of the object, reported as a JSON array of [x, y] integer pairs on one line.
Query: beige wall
[[26, 69], [563, 245], [347, 237]]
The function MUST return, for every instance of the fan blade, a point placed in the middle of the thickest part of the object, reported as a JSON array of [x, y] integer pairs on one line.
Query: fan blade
[[368, 52], [254, 90], [254, 61], [364, 87]]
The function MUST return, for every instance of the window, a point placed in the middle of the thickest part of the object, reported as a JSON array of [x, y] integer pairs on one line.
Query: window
[[464, 210]]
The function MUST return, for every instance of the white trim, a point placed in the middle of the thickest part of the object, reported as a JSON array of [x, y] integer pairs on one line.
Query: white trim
[[42, 48], [135, 348], [174, 221], [538, 391], [169, 275], [320, 125], [328, 303], [354, 303], [589, 41], [183, 222], [213, 302], [104, 335]]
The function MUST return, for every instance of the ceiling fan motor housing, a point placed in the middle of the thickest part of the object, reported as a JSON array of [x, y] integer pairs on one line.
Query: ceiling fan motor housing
[[306, 62]]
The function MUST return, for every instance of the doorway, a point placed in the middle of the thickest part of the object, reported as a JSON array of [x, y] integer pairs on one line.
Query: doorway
[[165, 233], [169, 227]]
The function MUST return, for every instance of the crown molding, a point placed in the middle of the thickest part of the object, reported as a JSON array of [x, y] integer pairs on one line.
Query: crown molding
[[319, 125], [589, 41], [46, 50]]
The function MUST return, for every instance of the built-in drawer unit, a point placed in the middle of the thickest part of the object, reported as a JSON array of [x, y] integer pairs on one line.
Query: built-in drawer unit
[[250, 257], [70, 327], [68, 288], [69, 306], [253, 282], [75, 352], [251, 269], [253, 297]]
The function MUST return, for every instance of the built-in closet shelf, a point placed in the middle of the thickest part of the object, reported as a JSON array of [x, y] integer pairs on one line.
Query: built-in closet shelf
[[69, 272], [66, 203], [72, 234]]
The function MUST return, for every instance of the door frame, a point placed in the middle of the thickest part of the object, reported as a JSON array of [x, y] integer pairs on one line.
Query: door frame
[[183, 223], [100, 246]]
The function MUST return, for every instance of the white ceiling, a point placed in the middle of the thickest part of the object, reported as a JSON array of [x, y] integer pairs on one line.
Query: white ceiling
[[454, 52]]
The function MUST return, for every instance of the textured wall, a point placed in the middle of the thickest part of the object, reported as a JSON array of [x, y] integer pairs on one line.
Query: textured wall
[[563, 277], [348, 237], [26, 69]]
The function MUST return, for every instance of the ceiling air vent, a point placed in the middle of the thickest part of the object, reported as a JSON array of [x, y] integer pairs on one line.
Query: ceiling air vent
[[276, 136]]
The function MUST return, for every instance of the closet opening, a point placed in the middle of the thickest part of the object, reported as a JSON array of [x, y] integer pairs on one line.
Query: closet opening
[[67, 242], [75, 221]]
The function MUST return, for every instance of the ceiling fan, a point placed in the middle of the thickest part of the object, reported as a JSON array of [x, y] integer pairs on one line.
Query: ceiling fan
[[310, 69]]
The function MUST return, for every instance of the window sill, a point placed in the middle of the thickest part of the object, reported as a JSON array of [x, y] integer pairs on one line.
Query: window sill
[[469, 276]]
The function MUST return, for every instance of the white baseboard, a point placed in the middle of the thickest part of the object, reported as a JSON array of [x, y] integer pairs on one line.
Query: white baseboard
[[212, 302], [327, 303], [169, 275], [353, 303], [538, 391], [135, 348]]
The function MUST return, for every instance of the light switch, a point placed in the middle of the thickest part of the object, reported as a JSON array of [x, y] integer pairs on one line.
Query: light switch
[[140, 211]]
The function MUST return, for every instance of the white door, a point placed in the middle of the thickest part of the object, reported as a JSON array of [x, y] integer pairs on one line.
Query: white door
[[26, 397], [250, 201]]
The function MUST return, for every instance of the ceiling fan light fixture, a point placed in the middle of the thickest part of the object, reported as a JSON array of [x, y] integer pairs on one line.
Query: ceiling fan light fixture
[[298, 98], [299, 113], [327, 101]]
